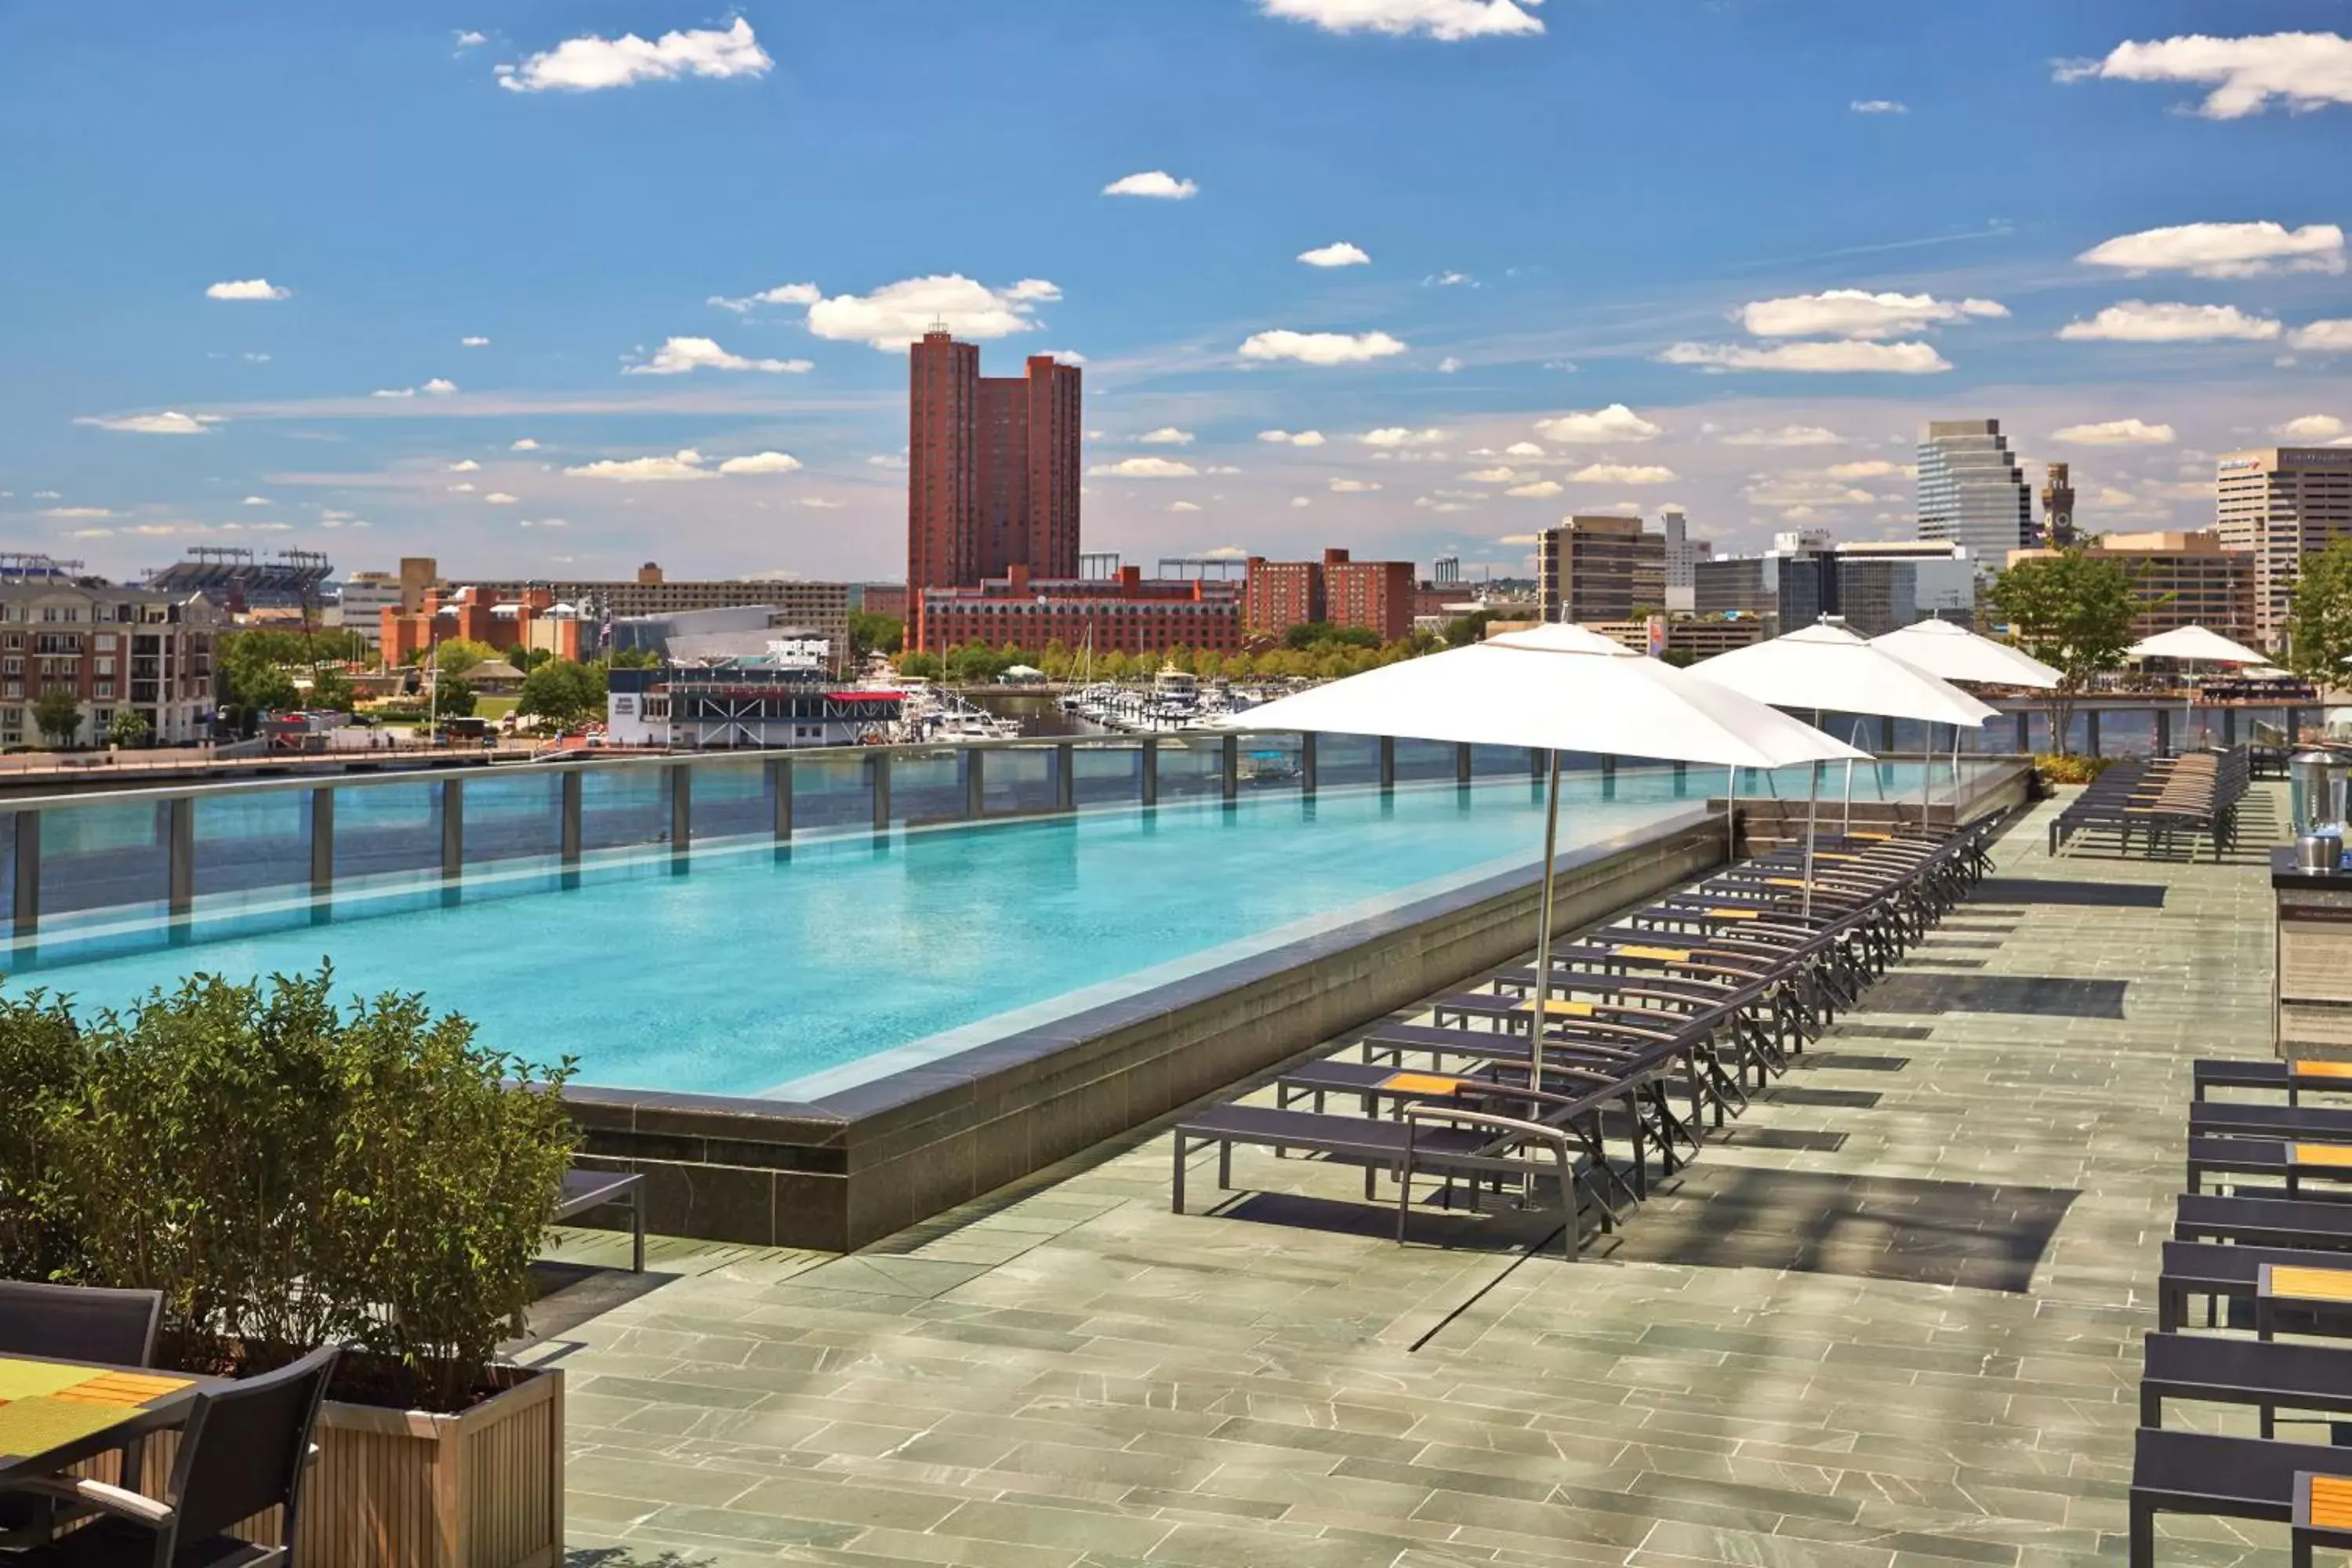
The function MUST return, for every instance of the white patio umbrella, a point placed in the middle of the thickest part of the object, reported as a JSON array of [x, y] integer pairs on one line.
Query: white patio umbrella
[[1561, 689], [1826, 667], [1956, 653], [2193, 645]]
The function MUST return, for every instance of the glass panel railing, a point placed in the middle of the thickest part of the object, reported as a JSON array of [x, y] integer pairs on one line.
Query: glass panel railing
[[1018, 779], [1190, 767], [513, 815], [831, 795], [930, 786], [732, 799], [386, 830], [257, 843], [107, 856], [624, 809], [1107, 773]]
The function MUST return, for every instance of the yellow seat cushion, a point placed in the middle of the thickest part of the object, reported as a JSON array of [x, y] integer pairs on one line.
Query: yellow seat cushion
[[2321, 1069], [2331, 1501], [1557, 1007], [1657, 954], [1736, 914], [2333, 1154], [2297, 1284], [1421, 1083]]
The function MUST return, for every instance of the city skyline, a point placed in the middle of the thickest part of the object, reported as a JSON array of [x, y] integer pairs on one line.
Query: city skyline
[[519, 292]]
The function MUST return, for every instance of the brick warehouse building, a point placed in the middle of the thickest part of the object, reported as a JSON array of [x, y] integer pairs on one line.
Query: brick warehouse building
[[1125, 614], [1376, 597], [992, 469], [141, 650]]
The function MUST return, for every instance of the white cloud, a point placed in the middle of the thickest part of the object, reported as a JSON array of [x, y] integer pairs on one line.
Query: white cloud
[[2223, 249], [1858, 313], [886, 460], [254, 356], [1166, 435], [683, 464], [1321, 348], [1493, 476], [2323, 337], [393, 392], [467, 465], [1598, 427], [1354, 486], [1623, 474], [468, 38], [896, 314], [77, 512], [1400, 436], [473, 343], [1538, 489], [591, 64], [1338, 254], [1066, 357], [1878, 106], [1449, 280], [1156, 185], [1300, 502], [2137, 321], [438, 388], [683, 356], [543, 523], [169, 423], [2304, 71], [1184, 506], [1221, 468], [257, 501], [1449, 21], [1787, 436], [1868, 468], [782, 294], [464, 488], [821, 504], [247, 288], [1523, 449], [762, 463], [497, 498], [2114, 433], [1829, 358], [525, 445], [2313, 428], [1803, 491], [1293, 438], [1143, 469], [1448, 365]]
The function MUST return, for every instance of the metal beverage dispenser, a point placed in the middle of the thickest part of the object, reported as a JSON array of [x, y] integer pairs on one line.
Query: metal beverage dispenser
[[2316, 785]]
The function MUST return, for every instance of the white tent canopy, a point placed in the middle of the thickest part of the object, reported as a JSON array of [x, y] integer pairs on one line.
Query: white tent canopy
[[1956, 653], [2197, 645], [1556, 688], [1830, 669]]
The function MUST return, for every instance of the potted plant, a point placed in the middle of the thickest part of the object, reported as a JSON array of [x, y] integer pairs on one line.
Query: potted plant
[[290, 1172]]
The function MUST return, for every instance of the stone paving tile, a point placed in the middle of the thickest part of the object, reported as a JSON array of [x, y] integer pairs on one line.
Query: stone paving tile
[[1787, 1358]]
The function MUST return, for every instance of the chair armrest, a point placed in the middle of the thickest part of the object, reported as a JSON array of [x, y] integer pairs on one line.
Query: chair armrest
[[119, 1502]]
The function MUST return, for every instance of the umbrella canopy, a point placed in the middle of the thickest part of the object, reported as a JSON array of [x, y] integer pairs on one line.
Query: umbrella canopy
[[2194, 643], [1956, 653], [1559, 688], [1829, 668]]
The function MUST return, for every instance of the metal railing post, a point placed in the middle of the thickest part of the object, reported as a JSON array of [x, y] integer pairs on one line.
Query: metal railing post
[[976, 781], [1066, 777], [453, 829], [1535, 762], [2026, 731], [1388, 762], [1306, 763], [2164, 732], [1682, 779], [1152, 770], [2229, 727], [681, 806], [1885, 736], [1609, 778], [27, 911], [2091, 731], [877, 773], [1230, 766], [568, 812], [1462, 762], [780, 784], [322, 841], [181, 840]]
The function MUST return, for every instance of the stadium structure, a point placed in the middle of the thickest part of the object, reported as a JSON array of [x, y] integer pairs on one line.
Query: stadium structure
[[239, 580]]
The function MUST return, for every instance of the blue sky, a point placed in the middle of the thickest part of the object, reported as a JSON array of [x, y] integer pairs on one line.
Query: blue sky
[[1618, 255]]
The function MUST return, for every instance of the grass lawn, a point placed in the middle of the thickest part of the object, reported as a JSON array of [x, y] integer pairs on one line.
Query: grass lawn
[[494, 708]]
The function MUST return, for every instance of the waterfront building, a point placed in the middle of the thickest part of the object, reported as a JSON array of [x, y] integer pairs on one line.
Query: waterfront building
[[1971, 492], [2280, 504], [879, 599], [147, 651], [2058, 507], [991, 468], [1377, 597], [1698, 636], [2203, 582], [1875, 586], [362, 602], [1592, 569], [1127, 614], [531, 619], [782, 696]]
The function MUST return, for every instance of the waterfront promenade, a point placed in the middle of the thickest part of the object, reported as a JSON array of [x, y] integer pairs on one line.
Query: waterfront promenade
[[1893, 1318]]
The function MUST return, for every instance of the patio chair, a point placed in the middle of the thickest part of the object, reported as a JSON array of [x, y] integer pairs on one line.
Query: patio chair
[[2253, 1220], [2300, 1077], [69, 1323], [245, 1449], [2232, 1272], [2268, 1374], [2220, 1478]]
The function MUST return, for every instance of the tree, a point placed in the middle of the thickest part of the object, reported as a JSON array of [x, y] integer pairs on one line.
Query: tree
[[2074, 611], [920, 665], [459, 655], [1463, 630], [128, 728], [563, 692], [634, 658], [2319, 618], [455, 698], [870, 633], [58, 716], [331, 690], [528, 659]]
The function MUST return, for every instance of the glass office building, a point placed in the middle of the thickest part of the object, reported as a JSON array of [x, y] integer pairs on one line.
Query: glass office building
[[1972, 492]]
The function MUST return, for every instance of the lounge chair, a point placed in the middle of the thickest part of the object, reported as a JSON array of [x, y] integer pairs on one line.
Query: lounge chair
[[2265, 1373], [2257, 1220], [2298, 1078], [2221, 1478]]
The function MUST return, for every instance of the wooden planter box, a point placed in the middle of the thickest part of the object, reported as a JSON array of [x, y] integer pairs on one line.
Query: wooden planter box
[[407, 1488]]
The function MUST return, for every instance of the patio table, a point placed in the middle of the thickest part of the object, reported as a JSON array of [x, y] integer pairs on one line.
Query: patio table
[[55, 1414]]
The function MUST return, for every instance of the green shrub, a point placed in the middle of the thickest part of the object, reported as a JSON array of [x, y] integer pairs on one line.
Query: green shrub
[[2068, 767], [287, 1171]]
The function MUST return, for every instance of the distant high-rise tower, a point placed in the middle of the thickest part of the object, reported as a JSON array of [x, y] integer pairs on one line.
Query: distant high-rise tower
[[1681, 559], [2282, 504], [1971, 492], [2058, 508], [991, 468]]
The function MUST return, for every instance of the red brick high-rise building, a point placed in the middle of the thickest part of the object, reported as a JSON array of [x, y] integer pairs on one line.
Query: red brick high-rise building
[[1376, 597], [993, 467]]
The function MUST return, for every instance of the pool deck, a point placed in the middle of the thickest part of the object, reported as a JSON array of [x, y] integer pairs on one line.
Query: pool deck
[[1893, 1320]]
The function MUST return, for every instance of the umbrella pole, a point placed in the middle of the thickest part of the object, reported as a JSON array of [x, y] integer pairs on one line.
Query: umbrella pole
[[1730, 814], [1812, 812], [1536, 1027]]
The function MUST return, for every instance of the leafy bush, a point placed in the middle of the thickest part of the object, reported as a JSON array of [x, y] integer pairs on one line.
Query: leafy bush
[[288, 1173], [2067, 767]]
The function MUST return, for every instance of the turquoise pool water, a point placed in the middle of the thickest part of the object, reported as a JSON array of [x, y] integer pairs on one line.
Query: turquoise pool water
[[755, 973]]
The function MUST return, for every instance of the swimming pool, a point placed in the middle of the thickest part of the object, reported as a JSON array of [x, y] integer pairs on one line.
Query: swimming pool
[[749, 970]]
